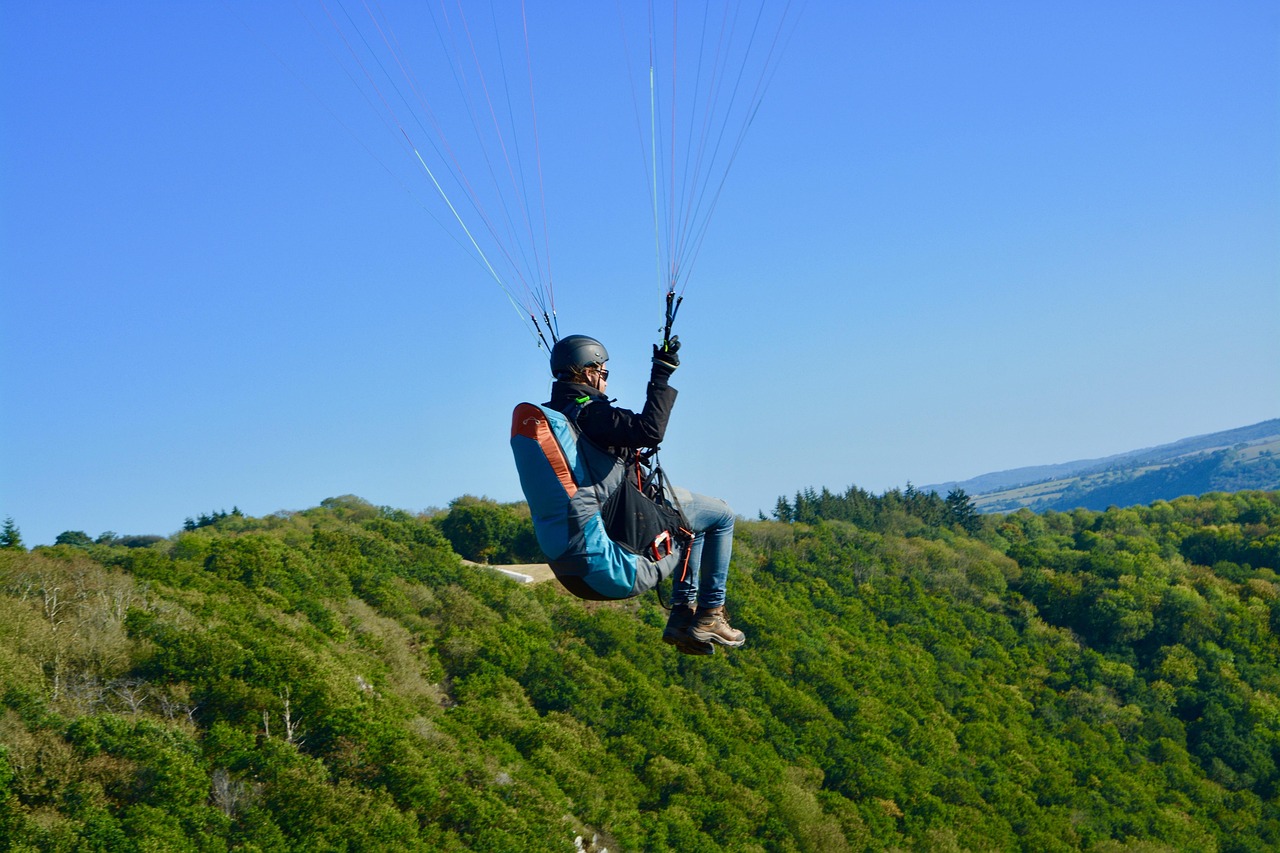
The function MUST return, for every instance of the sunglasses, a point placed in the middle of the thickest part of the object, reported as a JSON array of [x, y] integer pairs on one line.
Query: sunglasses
[[603, 371]]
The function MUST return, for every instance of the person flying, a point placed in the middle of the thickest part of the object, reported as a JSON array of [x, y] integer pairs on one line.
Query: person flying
[[698, 621]]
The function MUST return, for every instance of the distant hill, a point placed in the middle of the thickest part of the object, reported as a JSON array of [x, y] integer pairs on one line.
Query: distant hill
[[1234, 460]]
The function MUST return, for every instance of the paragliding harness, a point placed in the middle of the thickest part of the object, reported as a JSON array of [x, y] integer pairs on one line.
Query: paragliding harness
[[610, 526]]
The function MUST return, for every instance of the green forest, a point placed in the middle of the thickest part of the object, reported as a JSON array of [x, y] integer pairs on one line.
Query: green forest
[[916, 677]]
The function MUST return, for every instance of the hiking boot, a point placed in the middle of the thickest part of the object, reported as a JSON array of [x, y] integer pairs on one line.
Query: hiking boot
[[677, 632], [695, 647], [711, 625]]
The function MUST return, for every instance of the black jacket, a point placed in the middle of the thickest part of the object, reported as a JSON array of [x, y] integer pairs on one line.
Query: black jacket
[[614, 427]]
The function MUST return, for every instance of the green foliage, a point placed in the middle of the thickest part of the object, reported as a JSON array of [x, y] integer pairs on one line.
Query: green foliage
[[489, 532], [907, 511], [75, 538], [961, 511], [208, 519], [337, 679], [10, 536]]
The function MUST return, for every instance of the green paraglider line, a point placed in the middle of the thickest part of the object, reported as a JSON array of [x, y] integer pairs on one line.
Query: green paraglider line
[[653, 141], [454, 211], [683, 200], [533, 298], [510, 296]]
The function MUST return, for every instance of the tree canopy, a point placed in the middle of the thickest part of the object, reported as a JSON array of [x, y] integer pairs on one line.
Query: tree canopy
[[338, 679]]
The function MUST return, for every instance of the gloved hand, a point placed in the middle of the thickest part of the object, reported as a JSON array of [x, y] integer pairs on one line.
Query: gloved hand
[[667, 356]]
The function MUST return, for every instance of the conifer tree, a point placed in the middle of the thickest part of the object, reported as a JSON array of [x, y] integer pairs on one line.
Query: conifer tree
[[10, 537], [960, 510]]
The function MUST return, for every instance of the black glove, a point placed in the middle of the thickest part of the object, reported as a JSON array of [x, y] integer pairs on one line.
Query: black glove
[[666, 355]]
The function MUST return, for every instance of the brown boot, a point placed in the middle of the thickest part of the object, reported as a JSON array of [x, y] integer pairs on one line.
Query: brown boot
[[677, 632], [711, 625]]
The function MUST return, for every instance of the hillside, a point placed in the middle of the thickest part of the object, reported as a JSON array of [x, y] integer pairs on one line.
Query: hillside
[[1242, 459], [338, 679]]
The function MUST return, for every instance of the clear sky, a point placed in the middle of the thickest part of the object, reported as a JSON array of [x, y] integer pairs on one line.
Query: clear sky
[[958, 238]]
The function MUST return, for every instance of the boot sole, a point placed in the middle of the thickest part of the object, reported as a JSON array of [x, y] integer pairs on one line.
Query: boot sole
[[717, 639], [689, 646]]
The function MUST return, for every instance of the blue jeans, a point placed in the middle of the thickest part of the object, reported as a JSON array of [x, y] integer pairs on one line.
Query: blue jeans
[[708, 563]]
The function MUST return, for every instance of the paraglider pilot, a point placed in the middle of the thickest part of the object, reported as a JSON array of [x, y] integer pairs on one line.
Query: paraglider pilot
[[698, 621]]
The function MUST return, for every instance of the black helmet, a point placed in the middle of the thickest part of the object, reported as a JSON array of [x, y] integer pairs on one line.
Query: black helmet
[[576, 351]]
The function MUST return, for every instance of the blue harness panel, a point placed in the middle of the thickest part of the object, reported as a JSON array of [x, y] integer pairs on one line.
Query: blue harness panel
[[566, 482]]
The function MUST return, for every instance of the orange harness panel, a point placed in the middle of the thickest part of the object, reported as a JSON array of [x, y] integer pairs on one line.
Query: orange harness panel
[[529, 421]]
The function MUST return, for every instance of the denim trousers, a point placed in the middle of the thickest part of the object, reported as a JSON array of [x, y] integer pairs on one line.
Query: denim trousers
[[708, 563]]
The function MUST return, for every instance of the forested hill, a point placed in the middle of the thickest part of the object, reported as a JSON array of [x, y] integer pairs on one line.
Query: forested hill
[[337, 679], [1241, 459]]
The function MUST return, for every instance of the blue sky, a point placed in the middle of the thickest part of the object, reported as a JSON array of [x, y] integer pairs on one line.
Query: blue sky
[[958, 238]]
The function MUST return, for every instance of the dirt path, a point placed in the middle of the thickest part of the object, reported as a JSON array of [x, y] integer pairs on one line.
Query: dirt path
[[520, 572]]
